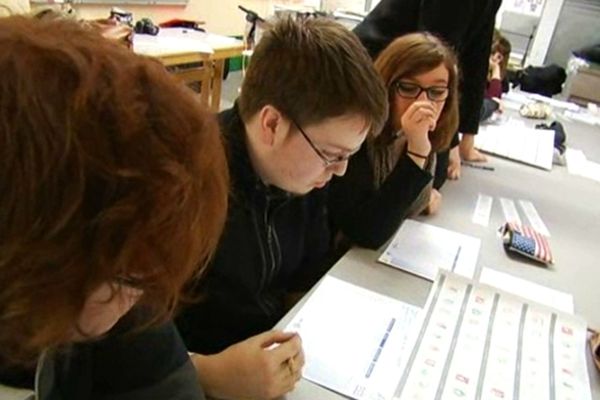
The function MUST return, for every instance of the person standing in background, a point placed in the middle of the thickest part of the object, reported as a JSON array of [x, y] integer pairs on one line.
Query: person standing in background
[[468, 26]]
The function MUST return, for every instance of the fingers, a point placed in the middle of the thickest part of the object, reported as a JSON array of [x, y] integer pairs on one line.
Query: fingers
[[289, 349], [270, 338], [421, 113], [420, 108]]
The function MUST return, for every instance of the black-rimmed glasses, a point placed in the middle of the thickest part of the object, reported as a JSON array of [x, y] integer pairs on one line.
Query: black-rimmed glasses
[[327, 161], [410, 90]]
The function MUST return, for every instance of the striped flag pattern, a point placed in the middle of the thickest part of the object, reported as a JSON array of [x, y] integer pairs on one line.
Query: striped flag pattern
[[527, 241]]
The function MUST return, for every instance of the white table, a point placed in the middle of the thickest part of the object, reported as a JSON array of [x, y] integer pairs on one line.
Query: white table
[[174, 46]]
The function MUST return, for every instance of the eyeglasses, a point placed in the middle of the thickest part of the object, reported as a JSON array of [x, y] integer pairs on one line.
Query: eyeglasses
[[327, 161], [410, 90]]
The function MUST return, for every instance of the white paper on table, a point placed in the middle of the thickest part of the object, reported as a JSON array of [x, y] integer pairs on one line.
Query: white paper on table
[[591, 170], [578, 164], [483, 209], [479, 342], [567, 105], [516, 97], [530, 146], [511, 105], [510, 210], [529, 290], [534, 217], [584, 117], [422, 249], [165, 44], [354, 339], [576, 161]]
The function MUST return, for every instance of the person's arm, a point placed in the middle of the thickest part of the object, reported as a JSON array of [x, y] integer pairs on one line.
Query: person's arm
[[367, 216], [151, 364], [494, 89], [370, 216], [265, 366], [470, 33], [494, 85]]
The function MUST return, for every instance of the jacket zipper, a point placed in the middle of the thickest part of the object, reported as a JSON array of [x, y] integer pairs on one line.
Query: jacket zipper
[[274, 250], [263, 276]]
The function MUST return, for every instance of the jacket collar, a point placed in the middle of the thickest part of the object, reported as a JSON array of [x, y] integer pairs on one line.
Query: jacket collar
[[246, 182]]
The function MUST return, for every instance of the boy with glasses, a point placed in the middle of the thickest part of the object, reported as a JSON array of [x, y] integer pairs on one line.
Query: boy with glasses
[[308, 100]]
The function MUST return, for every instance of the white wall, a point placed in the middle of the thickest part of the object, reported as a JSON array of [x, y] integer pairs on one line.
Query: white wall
[[545, 31]]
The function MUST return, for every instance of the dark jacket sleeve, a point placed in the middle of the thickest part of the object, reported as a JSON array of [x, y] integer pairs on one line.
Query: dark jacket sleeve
[[151, 364], [317, 244], [469, 30], [494, 89], [365, 215], [388, 20]]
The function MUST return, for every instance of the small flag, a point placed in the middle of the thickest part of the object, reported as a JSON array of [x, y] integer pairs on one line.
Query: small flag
[[525, 240]]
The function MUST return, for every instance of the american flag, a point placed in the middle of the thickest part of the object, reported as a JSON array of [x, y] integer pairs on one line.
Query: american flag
[[530, 243]]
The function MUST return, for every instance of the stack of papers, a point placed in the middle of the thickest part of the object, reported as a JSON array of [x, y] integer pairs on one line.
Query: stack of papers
[[530, 146]]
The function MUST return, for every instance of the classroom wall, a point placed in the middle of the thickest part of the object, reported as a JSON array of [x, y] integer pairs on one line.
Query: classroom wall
[[577, 26], [221, 16]]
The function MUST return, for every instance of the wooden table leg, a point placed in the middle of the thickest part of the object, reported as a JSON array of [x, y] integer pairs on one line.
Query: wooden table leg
[[217, 81]]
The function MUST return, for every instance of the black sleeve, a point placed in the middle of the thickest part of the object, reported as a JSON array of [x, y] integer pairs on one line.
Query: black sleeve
[[137, 365], [369, 217], [469, 30], [317, 244], [388, 20]]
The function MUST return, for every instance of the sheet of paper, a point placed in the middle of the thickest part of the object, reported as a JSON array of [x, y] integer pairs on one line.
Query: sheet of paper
[[591, 170], [578, 164], [516, 97], [479, 342], [530, 146], [354, 339], [576, 161], [534, 218], [422, 249], [567, 105], [510, 210], [166, 43], [529, 290], [483, 209], [584, 117]]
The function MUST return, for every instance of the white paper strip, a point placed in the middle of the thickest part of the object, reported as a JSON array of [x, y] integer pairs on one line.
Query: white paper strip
[[483, 209], [534, 218], [510, 210], [528, 290]]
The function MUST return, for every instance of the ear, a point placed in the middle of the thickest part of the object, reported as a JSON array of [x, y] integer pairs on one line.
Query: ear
[[273, 125]]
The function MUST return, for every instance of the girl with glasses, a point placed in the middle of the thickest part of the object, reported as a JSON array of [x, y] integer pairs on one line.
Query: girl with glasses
[[391, 177]]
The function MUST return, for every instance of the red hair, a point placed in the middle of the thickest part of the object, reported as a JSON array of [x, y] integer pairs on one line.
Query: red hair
[[108, 168]]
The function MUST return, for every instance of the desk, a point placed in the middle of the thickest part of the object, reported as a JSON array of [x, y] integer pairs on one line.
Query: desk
[[569, 206], [176, 46]]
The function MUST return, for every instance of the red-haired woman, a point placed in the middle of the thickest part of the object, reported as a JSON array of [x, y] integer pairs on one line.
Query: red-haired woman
[[113, 185]]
